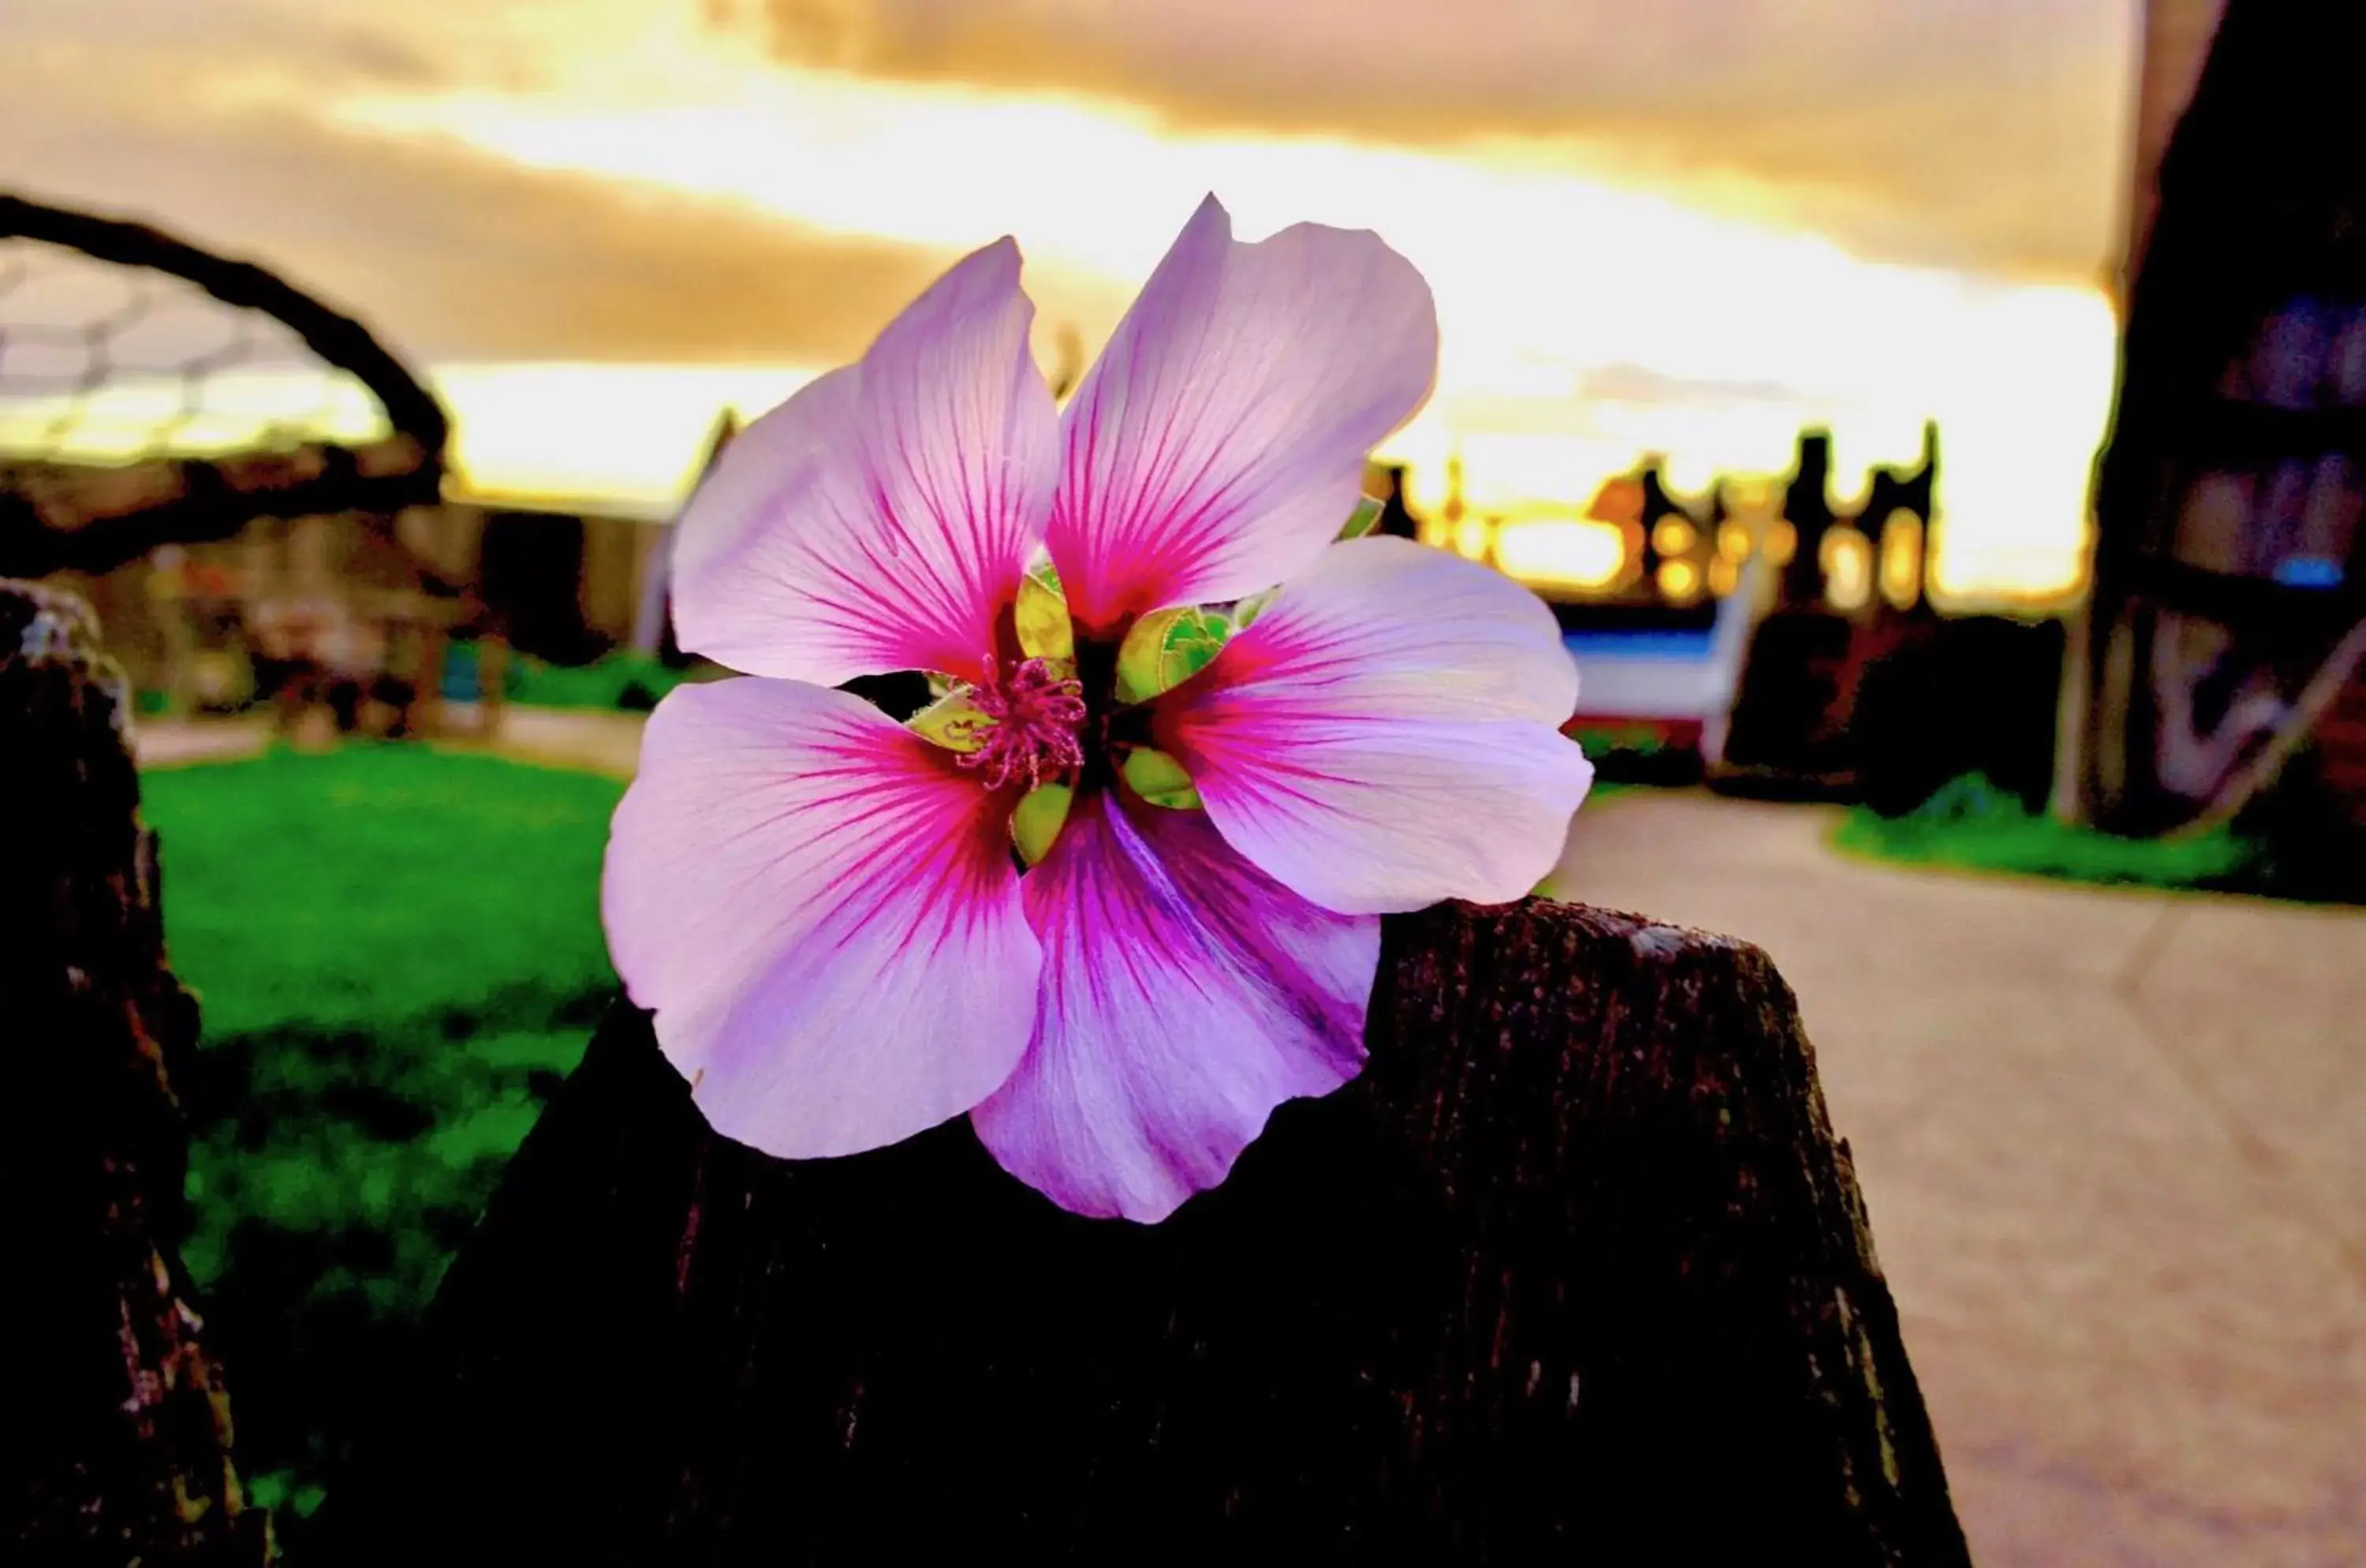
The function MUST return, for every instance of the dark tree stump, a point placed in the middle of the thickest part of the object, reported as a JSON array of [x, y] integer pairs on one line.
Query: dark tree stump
[[1574, 1272], [115, 1426]]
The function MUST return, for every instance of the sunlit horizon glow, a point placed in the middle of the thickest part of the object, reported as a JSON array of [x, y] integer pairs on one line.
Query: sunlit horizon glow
[[1585, 321]]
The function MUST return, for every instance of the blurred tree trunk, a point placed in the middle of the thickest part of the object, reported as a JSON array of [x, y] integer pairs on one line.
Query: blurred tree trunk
[[116, 1452], [1576, 1270]]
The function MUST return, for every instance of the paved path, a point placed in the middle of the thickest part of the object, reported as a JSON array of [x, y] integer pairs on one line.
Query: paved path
[[2114, 1149], [597, 741], [173, 742], [573, 737], [2114, 1144]]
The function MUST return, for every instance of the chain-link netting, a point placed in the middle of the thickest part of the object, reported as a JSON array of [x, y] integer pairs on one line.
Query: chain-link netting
[[105, 364]]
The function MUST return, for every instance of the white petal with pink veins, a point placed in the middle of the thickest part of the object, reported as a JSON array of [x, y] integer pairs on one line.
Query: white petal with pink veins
[[1186, 993], [1219, 443], [1385, 734], [822, 911], [881, 519]]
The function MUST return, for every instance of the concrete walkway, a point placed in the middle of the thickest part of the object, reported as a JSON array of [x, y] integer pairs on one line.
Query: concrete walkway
[[173, 742], [571, 737], [2114, 1149], [2113, 1145]]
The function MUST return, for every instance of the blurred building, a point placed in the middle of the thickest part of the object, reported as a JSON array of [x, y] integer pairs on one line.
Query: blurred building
[[317, 608], [1732, 630]]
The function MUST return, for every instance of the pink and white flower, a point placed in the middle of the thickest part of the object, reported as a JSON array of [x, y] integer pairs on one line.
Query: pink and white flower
[[823, 907]]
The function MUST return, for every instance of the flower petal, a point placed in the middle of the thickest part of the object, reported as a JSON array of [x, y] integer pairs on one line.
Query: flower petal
[[822, 910], [1219, 441], [881, 519], [1386, 733], [1185, 995]]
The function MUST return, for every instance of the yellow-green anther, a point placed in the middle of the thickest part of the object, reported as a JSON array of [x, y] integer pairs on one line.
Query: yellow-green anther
[[952, 721], [1042, 618], [1160, 780], [1165, 649], [1036, 821], [1138, 656]]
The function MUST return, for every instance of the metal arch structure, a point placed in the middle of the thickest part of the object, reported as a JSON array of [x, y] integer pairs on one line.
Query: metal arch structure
[[60, 517]]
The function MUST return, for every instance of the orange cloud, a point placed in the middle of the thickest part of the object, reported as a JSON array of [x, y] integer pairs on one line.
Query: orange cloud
[[1989, 135], [454, 255]]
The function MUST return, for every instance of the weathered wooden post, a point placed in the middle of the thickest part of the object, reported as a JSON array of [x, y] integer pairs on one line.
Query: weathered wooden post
[[115, 1430], [1576, 1271]]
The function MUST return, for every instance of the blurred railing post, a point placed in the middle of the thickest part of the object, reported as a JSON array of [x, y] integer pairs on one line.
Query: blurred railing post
[[115, 1431]]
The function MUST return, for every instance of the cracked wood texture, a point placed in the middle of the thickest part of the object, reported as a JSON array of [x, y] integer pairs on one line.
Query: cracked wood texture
[[115, 1434], [1576, 1271]]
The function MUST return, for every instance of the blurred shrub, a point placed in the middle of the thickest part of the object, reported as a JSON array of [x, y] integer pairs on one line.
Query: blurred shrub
[[2309, 831], [1977, 696], [1638, 754], [1972, 824], [631, 682]]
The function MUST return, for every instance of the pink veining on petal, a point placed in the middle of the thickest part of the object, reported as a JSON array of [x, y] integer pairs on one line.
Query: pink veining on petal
[[1385, 735], [1220, 440], [881, 518], [1185, 995], [822, 911]]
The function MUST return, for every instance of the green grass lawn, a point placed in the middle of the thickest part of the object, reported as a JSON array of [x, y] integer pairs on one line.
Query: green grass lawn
[[1970, 825], [377, 882], [398, 956]]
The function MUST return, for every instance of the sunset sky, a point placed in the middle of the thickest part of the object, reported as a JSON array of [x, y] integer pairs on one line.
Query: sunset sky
[[1687, 225]]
